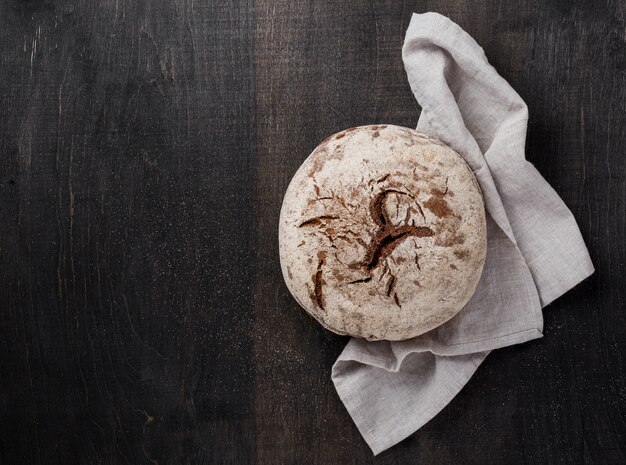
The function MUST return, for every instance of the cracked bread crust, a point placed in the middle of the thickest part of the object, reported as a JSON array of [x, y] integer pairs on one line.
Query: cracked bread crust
[[382, 233]]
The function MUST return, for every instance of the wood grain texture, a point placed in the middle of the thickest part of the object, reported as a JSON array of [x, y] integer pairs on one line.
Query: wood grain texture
[[126, 284], [146, 147]]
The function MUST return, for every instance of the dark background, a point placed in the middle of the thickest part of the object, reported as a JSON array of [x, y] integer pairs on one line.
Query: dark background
[[145, 149]]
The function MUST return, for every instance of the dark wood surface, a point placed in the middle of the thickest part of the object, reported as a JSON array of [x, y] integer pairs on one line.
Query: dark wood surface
[[145, 148]]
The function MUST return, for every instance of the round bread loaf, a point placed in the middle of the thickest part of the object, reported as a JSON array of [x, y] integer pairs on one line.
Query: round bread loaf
[[382, 233]]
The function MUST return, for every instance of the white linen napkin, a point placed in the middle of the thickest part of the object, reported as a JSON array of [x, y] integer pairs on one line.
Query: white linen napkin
[[535, 250]]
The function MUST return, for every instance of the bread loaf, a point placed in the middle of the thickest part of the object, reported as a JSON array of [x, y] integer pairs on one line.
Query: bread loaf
[[382, 233]]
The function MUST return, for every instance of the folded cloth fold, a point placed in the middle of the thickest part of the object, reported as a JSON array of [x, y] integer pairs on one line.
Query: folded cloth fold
[[535, 249]]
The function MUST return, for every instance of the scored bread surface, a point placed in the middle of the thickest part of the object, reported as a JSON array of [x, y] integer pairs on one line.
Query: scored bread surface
[[382, 233]]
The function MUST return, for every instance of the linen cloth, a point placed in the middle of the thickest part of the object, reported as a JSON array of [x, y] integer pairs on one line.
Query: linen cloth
[[535, 249]]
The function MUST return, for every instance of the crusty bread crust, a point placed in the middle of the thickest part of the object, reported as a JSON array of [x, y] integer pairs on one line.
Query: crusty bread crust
[[382, 233]]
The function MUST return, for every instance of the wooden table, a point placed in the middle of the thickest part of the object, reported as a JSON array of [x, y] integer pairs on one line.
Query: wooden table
[[146, 147]]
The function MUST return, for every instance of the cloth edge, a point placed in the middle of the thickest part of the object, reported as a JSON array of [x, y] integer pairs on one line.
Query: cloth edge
[[350, 401]]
